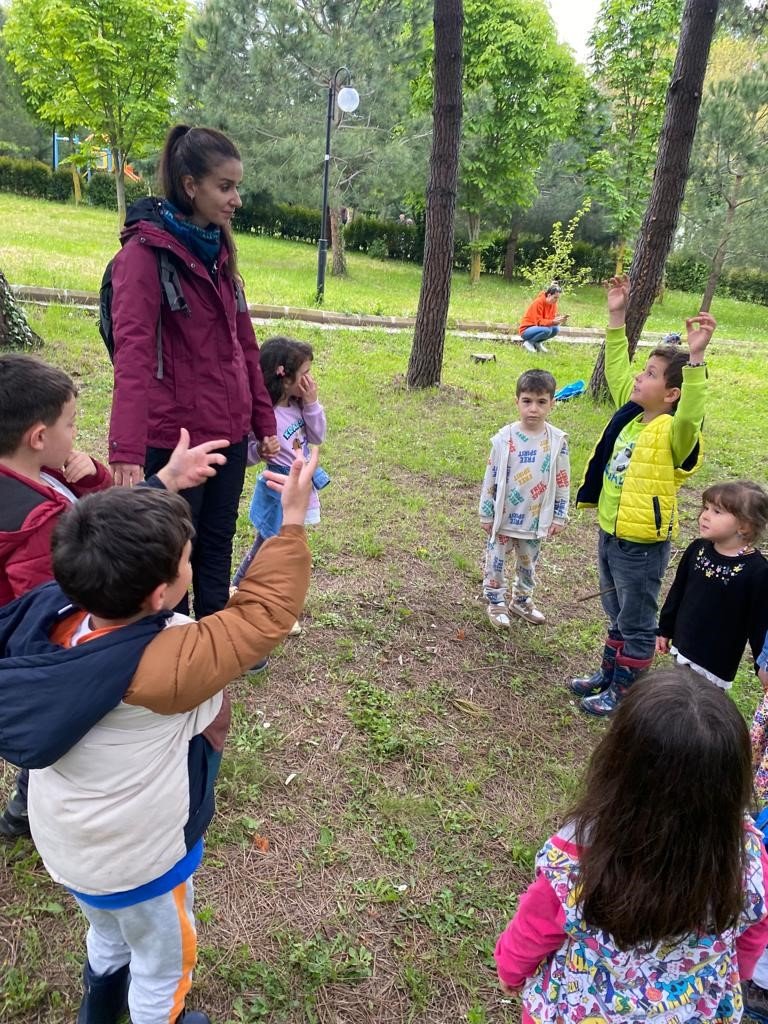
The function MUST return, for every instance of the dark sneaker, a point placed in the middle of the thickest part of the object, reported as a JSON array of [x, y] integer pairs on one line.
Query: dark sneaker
[[755, 1001], [14, 822], [254, 670], [193, 1017]]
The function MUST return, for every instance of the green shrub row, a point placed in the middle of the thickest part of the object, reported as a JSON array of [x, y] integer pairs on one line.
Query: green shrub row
[[687, 274], [36, 179]]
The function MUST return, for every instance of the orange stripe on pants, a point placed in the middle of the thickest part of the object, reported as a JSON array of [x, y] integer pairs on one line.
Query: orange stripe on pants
[[188, 952]]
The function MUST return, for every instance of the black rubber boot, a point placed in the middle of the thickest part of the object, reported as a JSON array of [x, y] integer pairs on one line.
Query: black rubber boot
[[14, 821], [625, 675], [590, 686], [105, 996]]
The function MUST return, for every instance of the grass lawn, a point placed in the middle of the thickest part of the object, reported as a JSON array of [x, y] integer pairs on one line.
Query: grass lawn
[[388, 781], [63, 246]]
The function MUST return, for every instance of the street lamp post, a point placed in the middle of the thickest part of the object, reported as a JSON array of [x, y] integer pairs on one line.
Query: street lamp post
[[347, 100]]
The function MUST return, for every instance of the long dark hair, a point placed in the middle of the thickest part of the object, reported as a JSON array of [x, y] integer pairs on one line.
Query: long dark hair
[[195, 152], [280, 359], [661, 818]]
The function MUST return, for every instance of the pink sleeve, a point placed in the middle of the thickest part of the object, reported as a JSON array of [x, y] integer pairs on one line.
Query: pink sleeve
[[751, 943], [536, 930]]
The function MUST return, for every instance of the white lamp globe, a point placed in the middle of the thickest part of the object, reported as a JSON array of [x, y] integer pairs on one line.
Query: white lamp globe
[[348, 99]]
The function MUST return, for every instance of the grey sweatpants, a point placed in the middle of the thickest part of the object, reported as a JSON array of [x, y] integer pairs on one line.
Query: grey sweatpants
[[158, 939]]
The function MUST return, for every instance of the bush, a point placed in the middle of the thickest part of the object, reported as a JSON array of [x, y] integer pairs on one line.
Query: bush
[[686, 273], [24, 177], [378, 250], [745, 284], [102, 192], [60, 185]]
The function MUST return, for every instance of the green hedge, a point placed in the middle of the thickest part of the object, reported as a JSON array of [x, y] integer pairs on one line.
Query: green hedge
[[36, 179], [687, 274]]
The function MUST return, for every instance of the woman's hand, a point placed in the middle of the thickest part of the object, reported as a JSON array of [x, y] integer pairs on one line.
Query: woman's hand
[[124, 474]]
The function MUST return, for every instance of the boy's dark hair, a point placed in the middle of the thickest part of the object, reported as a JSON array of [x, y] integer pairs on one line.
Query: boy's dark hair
[[675, 358], [31, 392], [554, 289], [744, 499], [196, 152], [536, 382], [112, 549], [283, 353], [661, 817]]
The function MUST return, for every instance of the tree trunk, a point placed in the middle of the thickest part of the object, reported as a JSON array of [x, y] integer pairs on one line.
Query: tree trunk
[[722, 248], [339, 264], [675, 143], [511, 253], [426, 361], [473, 222], [118, 160], [15, 332]]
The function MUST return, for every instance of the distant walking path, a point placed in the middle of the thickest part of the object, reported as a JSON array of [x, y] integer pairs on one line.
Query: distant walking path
[[327, 319]]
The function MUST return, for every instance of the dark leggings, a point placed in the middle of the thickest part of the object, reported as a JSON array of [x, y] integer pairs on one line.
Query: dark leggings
[[214, 515]]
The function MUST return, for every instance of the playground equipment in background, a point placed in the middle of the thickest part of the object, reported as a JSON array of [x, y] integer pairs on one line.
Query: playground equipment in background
[[99, 158]]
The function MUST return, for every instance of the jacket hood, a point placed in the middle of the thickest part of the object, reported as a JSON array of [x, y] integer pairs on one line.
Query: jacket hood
[[143, 215], [51, 696]]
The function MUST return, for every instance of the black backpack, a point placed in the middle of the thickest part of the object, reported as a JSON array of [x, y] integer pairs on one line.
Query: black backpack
[[170, 293]]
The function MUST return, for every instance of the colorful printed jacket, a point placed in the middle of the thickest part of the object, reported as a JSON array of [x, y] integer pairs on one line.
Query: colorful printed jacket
[[668, 450], [575, 973]]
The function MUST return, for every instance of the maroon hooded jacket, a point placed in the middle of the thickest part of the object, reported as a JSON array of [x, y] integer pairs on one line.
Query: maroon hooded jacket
[[212, 382], [28, 513]]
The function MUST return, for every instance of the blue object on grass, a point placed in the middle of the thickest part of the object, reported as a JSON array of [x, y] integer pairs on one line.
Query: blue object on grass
[[572, 390]]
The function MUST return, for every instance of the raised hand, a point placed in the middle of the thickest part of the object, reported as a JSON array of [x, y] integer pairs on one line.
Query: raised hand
[[295, 489], [700, 330], [617, 296], [189, 467]]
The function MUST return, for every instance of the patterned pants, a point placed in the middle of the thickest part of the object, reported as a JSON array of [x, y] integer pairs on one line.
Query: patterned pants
[[526, 555]]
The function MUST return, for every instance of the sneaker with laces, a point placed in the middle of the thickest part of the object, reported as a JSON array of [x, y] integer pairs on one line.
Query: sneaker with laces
[[529, 346], [528, 611], [498, 616]]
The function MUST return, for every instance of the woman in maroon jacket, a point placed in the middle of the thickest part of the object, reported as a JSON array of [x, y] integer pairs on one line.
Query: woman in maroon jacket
[[192, 363]]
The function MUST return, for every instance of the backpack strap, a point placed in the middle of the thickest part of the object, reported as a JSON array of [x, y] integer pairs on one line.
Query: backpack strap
[[170, 291], [242, 305]]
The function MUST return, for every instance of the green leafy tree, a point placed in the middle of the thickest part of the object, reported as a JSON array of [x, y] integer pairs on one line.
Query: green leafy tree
[[261, 71], [107, 64], [521, 90], [728, 191], [556, 263], [21, 134], [633, 55]]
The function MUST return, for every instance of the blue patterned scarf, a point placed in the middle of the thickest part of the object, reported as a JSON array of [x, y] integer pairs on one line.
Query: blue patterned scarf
[[205, 243]]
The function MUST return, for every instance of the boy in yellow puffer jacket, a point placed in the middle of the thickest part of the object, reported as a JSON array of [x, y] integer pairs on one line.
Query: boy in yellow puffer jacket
[[652, 443]]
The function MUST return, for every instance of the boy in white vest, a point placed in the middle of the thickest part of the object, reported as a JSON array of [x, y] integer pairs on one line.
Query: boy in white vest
[[651, 444], [524, 498]]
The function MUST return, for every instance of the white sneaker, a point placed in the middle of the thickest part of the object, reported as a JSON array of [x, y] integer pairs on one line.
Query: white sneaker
[[498, 616], [528, 611], [543, 347], [529, 346], [296, 629]]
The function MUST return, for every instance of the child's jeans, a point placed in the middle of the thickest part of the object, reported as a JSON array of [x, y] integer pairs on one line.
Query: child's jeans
[[526, 551], [158, 939], [630, 578]]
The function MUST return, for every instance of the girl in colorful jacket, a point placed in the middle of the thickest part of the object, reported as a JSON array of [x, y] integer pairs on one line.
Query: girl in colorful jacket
[[650, 904], [651, 444], [194, 363], [300, 419]]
